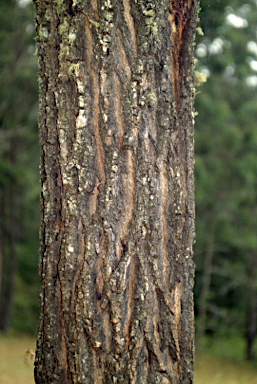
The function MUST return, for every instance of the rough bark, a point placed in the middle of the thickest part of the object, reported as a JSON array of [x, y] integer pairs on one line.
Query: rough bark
[[116, 132]]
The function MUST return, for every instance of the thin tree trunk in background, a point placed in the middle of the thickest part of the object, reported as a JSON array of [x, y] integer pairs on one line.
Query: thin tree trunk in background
[[117, 224], [2, 257], [8, 241], [251, 275], [206, 283], [12, 256]]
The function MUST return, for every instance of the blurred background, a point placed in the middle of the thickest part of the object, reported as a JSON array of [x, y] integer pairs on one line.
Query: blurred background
[[225, 184]]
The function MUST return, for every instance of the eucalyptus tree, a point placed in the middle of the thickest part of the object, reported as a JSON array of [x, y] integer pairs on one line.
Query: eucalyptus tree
[[116, 99]]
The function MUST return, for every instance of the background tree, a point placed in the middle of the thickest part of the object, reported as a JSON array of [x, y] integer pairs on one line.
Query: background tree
[[117, 220], [19, 162], [226, 171]]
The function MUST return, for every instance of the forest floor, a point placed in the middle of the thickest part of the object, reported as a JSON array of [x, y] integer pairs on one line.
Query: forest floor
[[16, 364], [218, 370]]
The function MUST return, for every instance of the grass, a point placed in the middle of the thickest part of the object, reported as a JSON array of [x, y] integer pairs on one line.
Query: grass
[[218, 370], [224, 363], [13, 369], [209, 369]]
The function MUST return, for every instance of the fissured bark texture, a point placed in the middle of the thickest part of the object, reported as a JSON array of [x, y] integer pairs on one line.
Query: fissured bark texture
[[117, 228]]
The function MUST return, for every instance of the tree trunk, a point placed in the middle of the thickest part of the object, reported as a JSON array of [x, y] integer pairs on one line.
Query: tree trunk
[[116, 132], [13, 255], [8, 242], [3, 258], [206, 283], [251, 303]]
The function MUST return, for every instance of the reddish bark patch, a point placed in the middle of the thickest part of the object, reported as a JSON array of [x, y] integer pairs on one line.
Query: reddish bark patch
[[178, 18]]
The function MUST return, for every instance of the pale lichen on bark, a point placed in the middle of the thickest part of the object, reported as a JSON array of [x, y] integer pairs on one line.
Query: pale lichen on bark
[[116, 132]]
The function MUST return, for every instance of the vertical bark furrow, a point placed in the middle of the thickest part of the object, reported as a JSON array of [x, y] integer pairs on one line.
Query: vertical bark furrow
[[116, 133], [130, 25]]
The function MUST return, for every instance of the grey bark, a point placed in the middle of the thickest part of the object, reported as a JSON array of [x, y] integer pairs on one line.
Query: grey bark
[[117, 224]]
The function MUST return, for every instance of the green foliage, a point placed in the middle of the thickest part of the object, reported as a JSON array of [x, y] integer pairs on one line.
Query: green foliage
[[25, 311], [19, 155], [226, 158]]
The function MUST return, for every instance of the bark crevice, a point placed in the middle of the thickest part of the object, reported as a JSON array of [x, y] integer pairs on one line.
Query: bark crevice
[[116, 132]]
